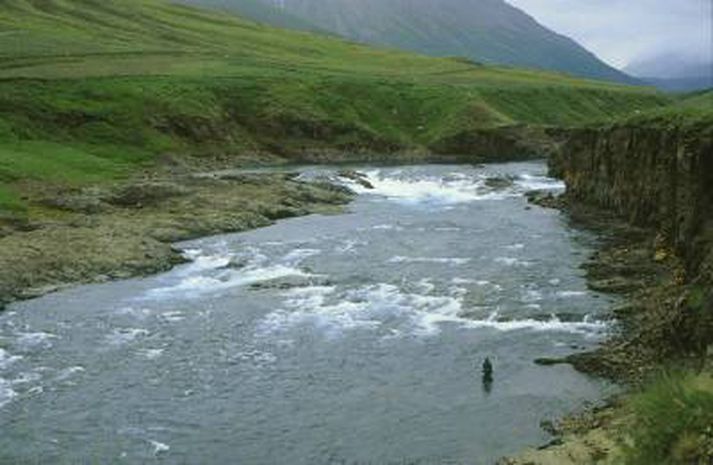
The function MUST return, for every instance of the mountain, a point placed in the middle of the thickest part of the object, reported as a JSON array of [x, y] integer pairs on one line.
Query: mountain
[[490, 31], [674, 73], [258, 10]]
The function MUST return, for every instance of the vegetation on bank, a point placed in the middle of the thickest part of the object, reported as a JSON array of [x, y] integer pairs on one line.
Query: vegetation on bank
[[693, 110], [672, 421], [94, 91]]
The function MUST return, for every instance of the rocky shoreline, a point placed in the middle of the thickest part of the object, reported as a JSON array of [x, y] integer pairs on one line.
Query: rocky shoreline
[[647, 192], [127, 230]]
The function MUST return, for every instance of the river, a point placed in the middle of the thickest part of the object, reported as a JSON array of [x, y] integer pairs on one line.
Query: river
[[344, 339]]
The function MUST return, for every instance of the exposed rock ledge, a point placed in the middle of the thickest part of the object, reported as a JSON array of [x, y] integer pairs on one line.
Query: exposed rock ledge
[[97, 234], [649, 190]]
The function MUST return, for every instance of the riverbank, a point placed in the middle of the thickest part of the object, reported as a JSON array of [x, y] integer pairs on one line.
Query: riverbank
[[124, 230], [645, 186]]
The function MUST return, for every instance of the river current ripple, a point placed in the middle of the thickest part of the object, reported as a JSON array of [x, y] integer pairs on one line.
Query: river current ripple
[[344, 339]]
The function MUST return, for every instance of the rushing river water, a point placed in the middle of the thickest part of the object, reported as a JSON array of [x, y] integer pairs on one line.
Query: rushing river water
[[346, 339]]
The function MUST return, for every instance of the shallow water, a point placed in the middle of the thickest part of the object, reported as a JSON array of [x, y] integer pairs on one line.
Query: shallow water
[[345, 339]]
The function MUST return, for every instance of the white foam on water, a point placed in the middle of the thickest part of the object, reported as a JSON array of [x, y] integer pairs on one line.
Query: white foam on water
[[530, 182], [159, 447], [348, 246], [514, 247], [33, 340], [197, 286], [139, 312], [296, 256], [7, 359], [569, 294], [386, 227], [173, 316], [26, 378], [531, 296], [553, 324], [69, 372], [449, 189], [437, 260], [151, 354], [452, 189], [257, 357], [125, 335], [375, 306], [457, 291], [425, 286], [200, 261], [6, 393], [511, 261]]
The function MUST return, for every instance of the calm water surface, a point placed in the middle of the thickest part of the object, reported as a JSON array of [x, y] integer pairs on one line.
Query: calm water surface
[[348, 339]]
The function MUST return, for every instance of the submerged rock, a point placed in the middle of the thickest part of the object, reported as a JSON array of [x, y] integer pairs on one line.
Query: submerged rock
[[499, 182], [359, 178], [290, 282], [546, 199]]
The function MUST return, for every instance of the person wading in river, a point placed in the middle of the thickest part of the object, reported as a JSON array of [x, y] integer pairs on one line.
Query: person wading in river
[[487, 374]]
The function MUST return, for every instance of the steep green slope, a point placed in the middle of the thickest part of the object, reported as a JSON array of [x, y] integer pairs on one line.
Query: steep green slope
[[490, 31], [93, 91], [257, 10]]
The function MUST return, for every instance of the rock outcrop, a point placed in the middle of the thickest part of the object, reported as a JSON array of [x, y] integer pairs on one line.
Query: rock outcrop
[[659, 177]]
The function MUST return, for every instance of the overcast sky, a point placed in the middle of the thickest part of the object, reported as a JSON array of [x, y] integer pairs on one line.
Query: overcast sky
[[621, 31]]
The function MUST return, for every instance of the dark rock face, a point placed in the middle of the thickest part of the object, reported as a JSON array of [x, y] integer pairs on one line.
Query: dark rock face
[[654, 177], [509, 143], [660, 179]]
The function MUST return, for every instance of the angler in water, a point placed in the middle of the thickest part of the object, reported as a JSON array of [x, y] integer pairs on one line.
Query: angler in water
[[487, 374]]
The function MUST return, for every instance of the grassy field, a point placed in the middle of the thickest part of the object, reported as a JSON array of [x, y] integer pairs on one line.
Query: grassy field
[[92, 91], [690, 110]]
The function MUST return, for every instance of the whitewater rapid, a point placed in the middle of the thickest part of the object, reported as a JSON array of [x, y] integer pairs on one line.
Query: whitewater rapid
[[326, 339]]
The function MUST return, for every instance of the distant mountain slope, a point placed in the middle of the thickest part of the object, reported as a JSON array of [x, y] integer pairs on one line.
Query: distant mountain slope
[[257, 10], [490, 31], [674, 73]]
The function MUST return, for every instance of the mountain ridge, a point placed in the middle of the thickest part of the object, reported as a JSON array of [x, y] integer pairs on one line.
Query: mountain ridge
[[491, 31]]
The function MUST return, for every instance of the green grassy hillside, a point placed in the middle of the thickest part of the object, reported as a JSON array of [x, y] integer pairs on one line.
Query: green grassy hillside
[[92, 90], [257, 10], [694, 109], [491, 31]]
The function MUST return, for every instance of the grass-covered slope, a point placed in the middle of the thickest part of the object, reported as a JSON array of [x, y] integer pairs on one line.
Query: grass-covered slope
[[259, 11], [93, 90], [491, 31]]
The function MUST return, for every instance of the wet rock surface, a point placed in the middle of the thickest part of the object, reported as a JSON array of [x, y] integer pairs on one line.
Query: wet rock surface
[[126, 231], [357, 177]]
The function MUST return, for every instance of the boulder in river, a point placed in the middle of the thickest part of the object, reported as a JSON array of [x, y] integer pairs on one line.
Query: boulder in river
[[499, 182], [289, 282], [359, 178], [546, 199]]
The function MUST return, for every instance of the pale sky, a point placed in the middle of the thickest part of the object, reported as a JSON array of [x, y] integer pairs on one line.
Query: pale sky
[[621, 31]]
